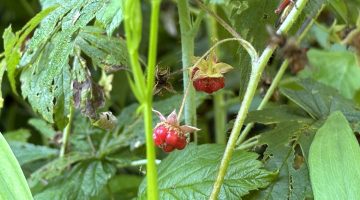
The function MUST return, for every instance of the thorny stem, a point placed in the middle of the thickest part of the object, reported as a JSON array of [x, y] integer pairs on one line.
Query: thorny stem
[[255, 76], [66, 132], [277, 79]]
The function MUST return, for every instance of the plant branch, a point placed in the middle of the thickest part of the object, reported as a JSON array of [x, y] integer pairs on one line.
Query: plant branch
[[277, 78], [257, 69]]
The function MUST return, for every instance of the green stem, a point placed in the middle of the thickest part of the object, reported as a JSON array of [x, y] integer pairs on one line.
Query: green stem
[[155, 7], [142, 89], [255, 76], [276, 80], [152, 185], [187, 47], [66, 132], [218, 97], [151, 175]]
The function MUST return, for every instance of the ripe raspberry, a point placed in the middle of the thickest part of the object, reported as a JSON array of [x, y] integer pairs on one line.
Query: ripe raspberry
[[209, 85], [168, 134], [172, 137], [208, 76], [159, 135], [181, 143], [168, 148]]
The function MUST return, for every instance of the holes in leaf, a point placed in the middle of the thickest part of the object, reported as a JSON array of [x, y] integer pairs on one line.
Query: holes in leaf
[[54, 101], [298, 157]]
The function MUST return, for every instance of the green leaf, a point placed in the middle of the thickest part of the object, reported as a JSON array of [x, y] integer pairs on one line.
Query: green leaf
[[47, 83], [13, 42], [12, 180], [249, 19], [43, 127], [319, 100], [20, 135], [286, 151], [111, 15], [277, 114], [27, 152], [106, 52], [56, 167], [83, 181], [340, 7], [336, 69], [190, 174], [334, 160], [2, 71]]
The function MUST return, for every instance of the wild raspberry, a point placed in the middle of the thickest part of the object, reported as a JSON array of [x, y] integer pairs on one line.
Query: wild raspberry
[[208, 76], [181, 143], [159, 135], [208, 84], [168, 134]]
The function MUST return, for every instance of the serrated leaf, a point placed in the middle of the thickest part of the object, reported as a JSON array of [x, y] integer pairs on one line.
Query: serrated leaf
[[111, 15], [12, 180], [27, 152], [249, 19], [334, 160], [84, 181], [319, 100], [13, 42], [43, 127], [286, 152], [190, 174], [336, 69], [277, 114], [47, 83], [105, 52]]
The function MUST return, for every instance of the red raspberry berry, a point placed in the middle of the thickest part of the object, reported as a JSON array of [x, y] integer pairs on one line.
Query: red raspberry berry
[[181, 143], [209, 84], [168, 148], [159, 135], [172, 138]]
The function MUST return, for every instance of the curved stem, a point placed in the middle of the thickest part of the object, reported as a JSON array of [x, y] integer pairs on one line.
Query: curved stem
[[187, 89], [255, 76], [277, 79], [247, 45]]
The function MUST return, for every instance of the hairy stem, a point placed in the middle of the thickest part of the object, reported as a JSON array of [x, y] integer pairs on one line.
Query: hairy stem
[[187, 48], [257, 69], [66, 132], [277, 79]]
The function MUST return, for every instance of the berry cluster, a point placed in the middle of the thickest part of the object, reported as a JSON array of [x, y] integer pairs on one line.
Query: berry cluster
[[169, 135], [208, 76]]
